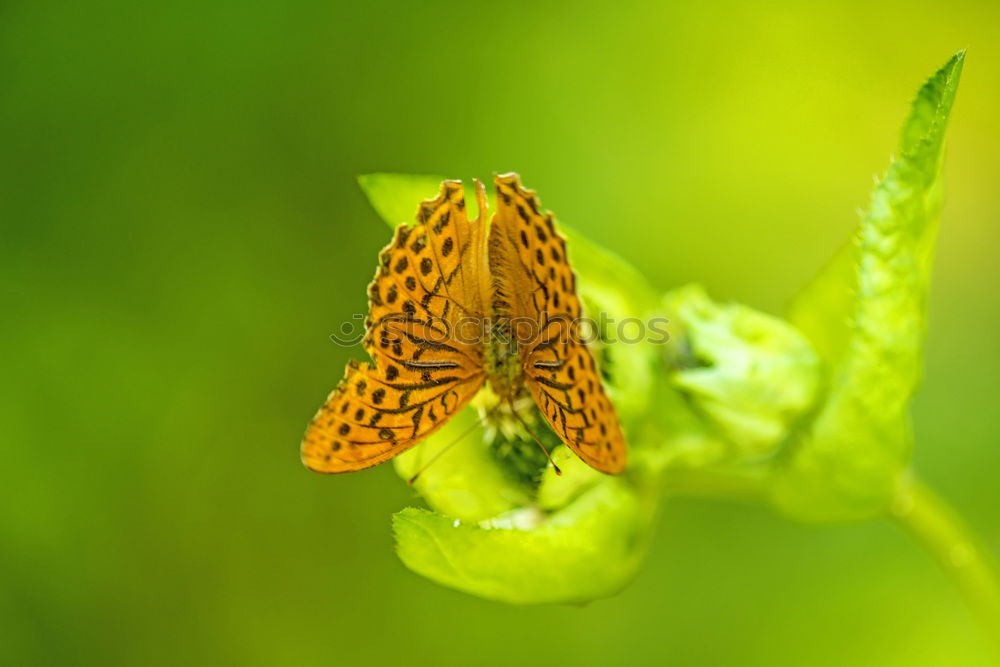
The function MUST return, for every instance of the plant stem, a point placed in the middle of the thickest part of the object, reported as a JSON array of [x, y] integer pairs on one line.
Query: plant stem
[[924, 514], [939, 528]]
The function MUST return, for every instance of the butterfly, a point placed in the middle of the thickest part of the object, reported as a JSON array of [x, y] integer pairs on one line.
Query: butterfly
[[456, 304]]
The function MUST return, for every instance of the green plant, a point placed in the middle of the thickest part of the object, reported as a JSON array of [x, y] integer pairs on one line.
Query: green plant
[[808, 414]]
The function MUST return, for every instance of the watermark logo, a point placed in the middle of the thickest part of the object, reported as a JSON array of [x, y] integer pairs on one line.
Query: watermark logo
[[522, 331]]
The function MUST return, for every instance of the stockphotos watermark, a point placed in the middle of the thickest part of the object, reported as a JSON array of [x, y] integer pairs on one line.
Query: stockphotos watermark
[[525, 331]]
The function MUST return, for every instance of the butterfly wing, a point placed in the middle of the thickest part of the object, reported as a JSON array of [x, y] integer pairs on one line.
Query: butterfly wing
[[533, 283], [427, 285]]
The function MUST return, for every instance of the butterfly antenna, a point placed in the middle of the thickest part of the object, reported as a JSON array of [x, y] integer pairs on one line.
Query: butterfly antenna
[[439, 453], [535, 438]]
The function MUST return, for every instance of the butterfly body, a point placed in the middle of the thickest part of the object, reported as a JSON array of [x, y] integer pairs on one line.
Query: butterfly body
[[504, 370], [456, 304]]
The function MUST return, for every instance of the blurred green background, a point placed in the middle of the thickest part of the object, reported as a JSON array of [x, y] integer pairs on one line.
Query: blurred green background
[[181, 230]]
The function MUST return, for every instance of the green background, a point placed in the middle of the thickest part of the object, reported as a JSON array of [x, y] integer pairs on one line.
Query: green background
[[181, 231]]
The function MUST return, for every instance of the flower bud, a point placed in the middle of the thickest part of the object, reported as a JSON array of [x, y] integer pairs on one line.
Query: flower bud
[[750, 375]]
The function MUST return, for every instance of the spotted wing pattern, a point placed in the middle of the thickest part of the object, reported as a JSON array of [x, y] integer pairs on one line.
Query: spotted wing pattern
[[429, 280], [533, 282]]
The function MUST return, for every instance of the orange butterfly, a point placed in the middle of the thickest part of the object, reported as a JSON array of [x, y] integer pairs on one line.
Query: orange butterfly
[[452, 306]]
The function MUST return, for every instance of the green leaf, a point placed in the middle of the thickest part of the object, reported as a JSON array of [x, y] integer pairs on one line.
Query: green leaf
[[605, 272], [622, 306], [396, 197], [559, 490], [866, 313], [673, 436], [822, 309], [589, 550], [468, 482]]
